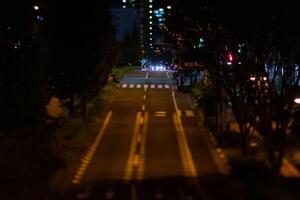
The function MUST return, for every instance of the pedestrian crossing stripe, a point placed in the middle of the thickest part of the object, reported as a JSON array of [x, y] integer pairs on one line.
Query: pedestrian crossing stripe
[[139, 86]]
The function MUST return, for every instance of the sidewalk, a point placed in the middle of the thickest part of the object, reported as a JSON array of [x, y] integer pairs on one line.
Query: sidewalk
[[287, 170]]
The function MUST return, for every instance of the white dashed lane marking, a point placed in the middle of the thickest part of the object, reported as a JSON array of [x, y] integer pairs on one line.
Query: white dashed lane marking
[[145, 86]]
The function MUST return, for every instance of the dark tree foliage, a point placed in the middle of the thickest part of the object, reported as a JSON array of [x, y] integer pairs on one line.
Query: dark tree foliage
[[82, 42], [267, 34], [27, 156]]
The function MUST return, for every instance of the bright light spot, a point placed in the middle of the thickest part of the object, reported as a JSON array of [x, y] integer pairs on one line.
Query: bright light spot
[[150, 22], [150, 17], [150, 27], [150, 38], [297, 100], [150, 1], [161, 9], [230, 57], [35, 7], [264, 78], [150, 11], [150, 6], [229, 63], [239, 62], [124, 6], [252, 78], [169, 7], [150, 33], [124, 1]]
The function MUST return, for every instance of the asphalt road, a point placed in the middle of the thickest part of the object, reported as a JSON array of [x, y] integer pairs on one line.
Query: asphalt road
[[151, 145]]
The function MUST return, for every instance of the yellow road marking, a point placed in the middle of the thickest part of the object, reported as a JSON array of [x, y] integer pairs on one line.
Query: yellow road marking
[[130, 161], [85, 161], [141, 167], [186, 156]]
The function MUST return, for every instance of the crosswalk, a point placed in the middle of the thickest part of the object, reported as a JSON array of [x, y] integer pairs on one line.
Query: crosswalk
[[139, 86]]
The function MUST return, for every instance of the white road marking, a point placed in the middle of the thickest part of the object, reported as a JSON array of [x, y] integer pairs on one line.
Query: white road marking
[[175, 103], [131, 86], [189, 113], [160, 114], [85, 161], [168, 76], [124, 86]]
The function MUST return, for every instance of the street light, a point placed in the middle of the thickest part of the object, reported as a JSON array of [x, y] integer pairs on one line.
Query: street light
[[36, 7], [297, 100]]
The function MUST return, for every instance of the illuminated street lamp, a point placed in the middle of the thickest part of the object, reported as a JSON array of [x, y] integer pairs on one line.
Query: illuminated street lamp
[[169, 7], [36, 7], [297, 100]]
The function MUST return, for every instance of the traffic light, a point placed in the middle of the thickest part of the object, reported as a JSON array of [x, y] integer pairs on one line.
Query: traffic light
[[229, 58], [201, 42]]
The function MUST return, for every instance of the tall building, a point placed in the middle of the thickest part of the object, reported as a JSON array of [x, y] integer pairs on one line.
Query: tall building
[[129, 3], [151, 18]]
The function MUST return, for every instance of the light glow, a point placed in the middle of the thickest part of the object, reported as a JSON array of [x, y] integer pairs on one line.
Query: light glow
[[35, 7], [297, 100]]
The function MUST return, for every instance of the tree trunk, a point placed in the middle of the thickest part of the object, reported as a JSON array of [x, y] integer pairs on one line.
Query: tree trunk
[[244, 139], [83, 107], [71, 106], [275, 150]]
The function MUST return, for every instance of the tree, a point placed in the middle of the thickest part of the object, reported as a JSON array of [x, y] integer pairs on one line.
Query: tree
[[81, 50]]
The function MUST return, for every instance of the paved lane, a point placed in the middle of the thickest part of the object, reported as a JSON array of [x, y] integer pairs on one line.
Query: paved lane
[[150, 147]]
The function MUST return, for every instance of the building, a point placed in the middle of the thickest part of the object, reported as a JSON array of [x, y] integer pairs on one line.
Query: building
[[150, 18], [124, 21]]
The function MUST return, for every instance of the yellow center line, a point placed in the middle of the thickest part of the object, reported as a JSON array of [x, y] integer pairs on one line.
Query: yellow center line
[[141, 167], [85, 161], [130, 161]]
